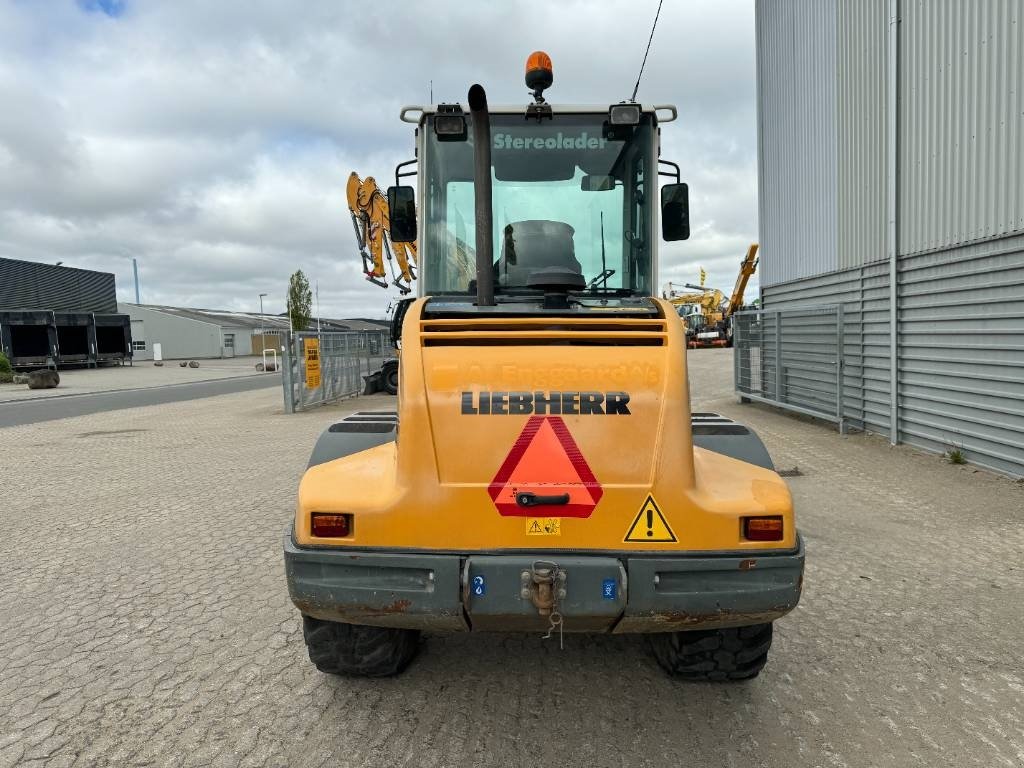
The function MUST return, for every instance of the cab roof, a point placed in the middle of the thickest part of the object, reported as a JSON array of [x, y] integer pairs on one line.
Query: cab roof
[[417, 113]]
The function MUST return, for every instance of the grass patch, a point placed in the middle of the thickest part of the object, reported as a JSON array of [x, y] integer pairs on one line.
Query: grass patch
[[955, 456]]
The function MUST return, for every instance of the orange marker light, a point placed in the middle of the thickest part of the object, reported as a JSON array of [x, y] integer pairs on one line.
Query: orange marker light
[[539, 73], [762, 528], [539, 60], [330, 526]]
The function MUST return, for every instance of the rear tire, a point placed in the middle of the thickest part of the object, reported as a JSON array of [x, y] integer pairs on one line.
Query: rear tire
[[737, 653], [389, 376], [357, 650]]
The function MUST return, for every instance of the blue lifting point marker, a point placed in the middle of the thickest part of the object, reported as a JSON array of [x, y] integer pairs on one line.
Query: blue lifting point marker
[[479, 587], [609, 588]]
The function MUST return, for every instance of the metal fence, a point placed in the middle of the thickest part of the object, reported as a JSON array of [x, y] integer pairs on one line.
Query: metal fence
[[792, 358], [321, 367]]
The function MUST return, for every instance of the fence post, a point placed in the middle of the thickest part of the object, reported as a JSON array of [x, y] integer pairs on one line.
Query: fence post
[[839, 369], [286, 373], [736, 349], [778, 355]]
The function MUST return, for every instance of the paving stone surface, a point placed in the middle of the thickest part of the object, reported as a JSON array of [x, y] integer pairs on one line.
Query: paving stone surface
[[144, 618]]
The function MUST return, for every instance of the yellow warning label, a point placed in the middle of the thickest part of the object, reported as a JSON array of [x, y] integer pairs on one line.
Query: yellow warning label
[[649, 525], [543, 526], [312, 350]]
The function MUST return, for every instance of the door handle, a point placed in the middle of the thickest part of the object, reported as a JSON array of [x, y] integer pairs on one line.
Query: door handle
[[527, 499]]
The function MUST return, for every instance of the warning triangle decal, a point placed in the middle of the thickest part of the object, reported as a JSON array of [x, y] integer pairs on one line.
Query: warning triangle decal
[[545, 461], [649, 525]]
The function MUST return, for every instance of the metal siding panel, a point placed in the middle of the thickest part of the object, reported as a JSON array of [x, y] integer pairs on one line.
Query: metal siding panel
[[32, 285], [861, 59], [796, 77], [961, 133], [864, 295], [961, 352], [17, 284]]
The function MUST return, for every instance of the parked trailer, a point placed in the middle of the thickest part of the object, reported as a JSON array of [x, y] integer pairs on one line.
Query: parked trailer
[[113, 338], [76, 338], [29, 338]]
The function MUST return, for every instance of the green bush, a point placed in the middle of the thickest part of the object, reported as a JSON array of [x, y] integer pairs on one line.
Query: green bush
[[5, 364], [6, 378]]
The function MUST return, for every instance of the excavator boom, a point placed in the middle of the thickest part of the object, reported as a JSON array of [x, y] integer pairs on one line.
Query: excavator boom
[[371, 219], [747, 268]]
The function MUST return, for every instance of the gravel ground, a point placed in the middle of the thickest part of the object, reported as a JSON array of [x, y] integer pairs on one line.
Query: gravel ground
[[145, 619]]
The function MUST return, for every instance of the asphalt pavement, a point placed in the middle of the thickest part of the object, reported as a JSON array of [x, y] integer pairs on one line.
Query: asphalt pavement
[[21, 412]]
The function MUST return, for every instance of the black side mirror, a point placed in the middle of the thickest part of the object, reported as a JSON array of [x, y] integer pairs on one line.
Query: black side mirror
[[402, 208], [675, 212]]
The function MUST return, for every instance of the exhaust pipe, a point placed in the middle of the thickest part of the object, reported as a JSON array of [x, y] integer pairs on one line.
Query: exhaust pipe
[[482, 194]]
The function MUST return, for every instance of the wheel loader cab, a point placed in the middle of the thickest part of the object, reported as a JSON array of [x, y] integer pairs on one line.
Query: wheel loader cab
[[570, 190], [543, 471]]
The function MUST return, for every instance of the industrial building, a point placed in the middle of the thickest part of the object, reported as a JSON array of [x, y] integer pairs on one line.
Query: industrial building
[[52, 315], [891, 182], [196, 334]]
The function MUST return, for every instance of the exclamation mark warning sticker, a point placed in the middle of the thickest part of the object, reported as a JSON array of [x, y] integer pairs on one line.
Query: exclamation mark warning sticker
[[649, 525]]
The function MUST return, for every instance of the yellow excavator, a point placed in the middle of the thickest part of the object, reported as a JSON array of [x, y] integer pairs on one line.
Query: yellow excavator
[[541, 471], [371, 219], [707, 313]]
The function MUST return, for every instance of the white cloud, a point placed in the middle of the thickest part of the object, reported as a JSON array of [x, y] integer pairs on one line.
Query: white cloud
[[213, 140]]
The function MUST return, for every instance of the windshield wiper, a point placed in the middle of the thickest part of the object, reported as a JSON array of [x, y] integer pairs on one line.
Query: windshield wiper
[[602, 291]]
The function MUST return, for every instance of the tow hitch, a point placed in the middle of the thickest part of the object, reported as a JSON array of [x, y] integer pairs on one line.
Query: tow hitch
[[544, 586]]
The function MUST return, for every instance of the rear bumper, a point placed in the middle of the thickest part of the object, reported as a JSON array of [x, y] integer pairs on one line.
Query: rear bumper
[[604, 593]]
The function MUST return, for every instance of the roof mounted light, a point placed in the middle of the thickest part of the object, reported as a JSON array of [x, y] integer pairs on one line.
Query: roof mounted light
[[624, 114], [450, 123], [539, 74]]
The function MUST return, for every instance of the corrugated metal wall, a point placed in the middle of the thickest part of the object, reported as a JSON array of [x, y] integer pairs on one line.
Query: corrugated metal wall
[[796, 63], [30, 285], [864, 294], [960, 218], [961, 137], [861, 55], [961, 352]]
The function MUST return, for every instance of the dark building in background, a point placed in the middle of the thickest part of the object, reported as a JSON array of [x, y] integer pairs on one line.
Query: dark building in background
[[28, 285], [54, 315]]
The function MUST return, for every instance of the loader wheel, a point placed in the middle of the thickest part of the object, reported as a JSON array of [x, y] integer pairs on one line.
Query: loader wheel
[[390, 377], [737, 653], [357, 650]]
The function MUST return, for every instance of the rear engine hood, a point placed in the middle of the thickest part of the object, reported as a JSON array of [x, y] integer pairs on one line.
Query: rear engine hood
[[549, 415]]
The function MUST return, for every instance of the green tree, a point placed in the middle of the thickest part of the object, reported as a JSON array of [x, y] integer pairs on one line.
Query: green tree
[[300, 301], [6, 376]]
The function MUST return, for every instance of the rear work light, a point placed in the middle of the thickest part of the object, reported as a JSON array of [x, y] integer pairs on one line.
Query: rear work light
[[450, 123], [762, 528], [624, 114], [331, 526]]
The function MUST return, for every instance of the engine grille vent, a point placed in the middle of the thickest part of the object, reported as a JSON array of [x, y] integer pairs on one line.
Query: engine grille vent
[[543, 332]]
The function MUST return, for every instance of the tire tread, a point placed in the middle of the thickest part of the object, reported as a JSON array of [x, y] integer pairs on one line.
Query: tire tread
[[357, 650], [735, 653]]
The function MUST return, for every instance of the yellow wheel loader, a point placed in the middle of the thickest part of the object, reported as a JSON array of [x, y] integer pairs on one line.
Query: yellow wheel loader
[[542, 471]]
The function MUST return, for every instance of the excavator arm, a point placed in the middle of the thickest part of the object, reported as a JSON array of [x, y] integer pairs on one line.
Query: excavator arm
[[371, 219], [747, 268]]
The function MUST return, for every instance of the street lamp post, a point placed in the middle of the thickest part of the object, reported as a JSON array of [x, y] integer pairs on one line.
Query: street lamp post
[[263, 335]]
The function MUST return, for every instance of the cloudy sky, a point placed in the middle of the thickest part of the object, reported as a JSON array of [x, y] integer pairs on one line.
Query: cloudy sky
[[212, 140]]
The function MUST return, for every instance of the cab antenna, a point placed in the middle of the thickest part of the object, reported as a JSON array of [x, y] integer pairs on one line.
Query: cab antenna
[[653, 27]]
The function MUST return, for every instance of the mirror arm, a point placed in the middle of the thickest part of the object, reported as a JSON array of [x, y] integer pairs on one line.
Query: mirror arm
[[677, 175], [400, 175]]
